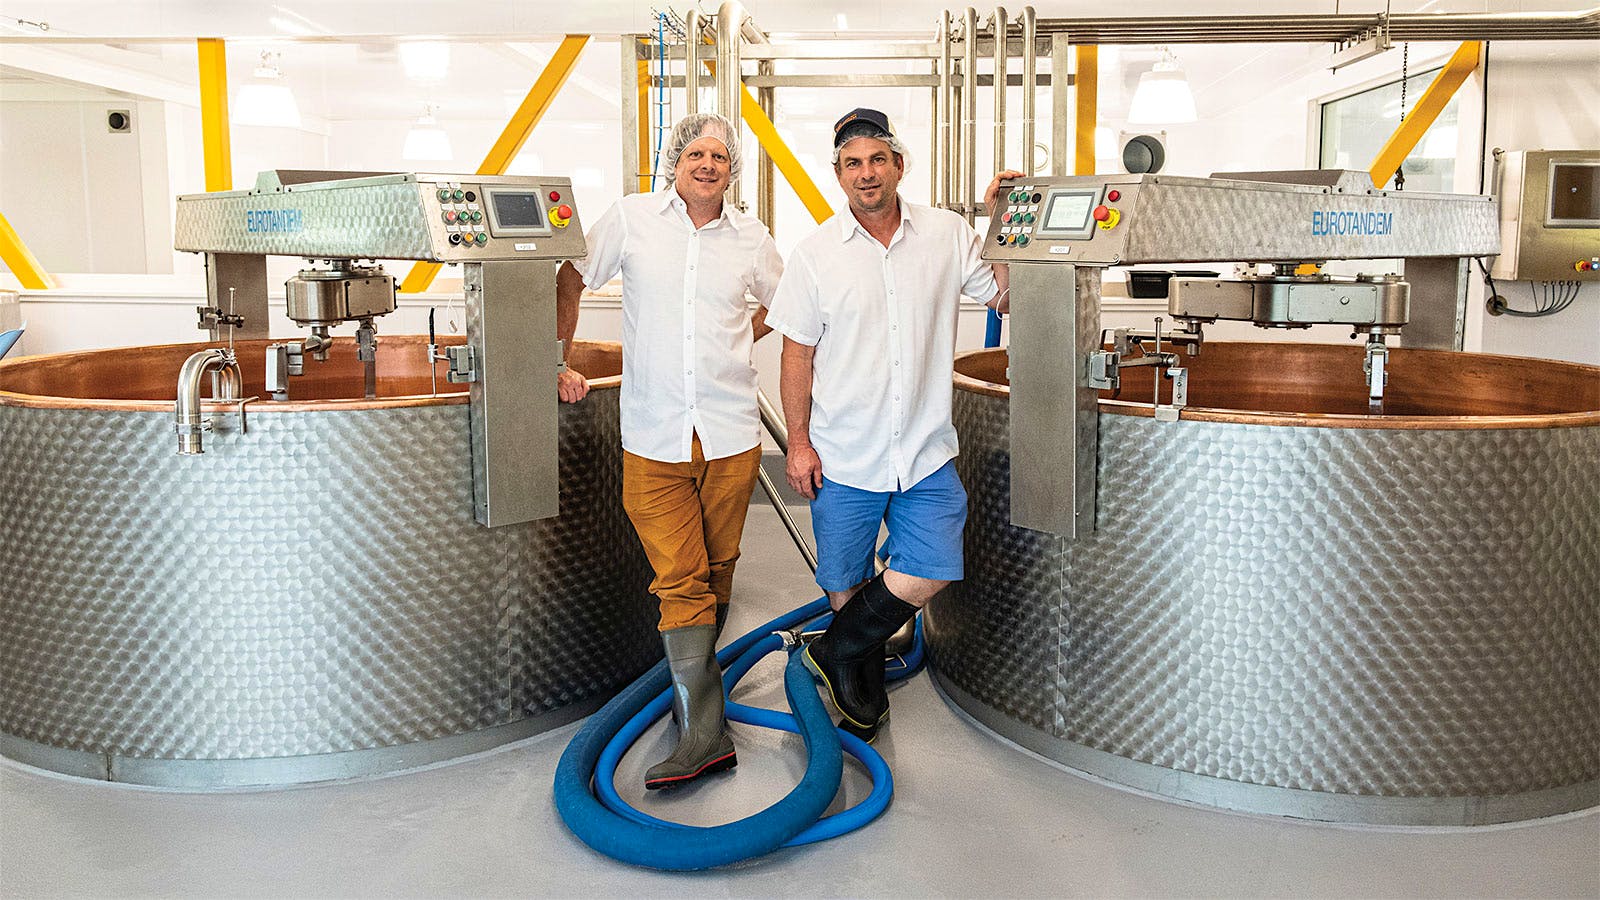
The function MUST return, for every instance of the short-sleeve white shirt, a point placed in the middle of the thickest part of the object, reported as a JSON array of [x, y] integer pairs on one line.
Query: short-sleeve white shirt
[[883, 321], [686, 336]]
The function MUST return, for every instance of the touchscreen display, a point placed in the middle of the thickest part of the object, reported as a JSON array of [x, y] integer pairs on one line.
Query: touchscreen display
[[1069, 212], [517, 209], [1575, 192]]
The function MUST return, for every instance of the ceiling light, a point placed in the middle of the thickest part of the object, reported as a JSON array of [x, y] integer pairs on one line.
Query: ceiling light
[[426, 141], [1163, 96], [425, 60], [265, 102]]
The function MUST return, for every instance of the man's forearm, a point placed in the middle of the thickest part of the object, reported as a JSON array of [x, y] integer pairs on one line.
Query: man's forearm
[[758, 323], [569, 295], [794, 387]]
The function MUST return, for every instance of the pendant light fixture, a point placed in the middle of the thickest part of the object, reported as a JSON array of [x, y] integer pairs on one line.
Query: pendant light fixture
[[266, 101], [1163, 96], [426, 141]]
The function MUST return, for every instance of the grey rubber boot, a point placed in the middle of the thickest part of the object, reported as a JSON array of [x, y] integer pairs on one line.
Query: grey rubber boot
[[704, 745]]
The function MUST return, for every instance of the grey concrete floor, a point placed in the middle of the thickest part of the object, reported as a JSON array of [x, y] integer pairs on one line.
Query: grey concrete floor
[[972, 817]]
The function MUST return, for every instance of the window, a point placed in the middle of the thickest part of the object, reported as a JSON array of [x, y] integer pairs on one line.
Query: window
[[1354, 129]]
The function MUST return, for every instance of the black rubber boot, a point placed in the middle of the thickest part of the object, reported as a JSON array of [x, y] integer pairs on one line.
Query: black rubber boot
[[722, 618], [704, 745], [848, 657]]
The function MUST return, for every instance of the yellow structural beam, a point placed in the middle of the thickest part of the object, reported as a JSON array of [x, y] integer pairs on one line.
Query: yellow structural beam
[[1405, 138], [642, 84], [515, 134], [782, 157], [1086, 83], [214, 113], [20, 260]]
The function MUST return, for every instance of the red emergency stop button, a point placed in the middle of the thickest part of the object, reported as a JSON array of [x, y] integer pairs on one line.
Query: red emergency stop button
[[1102, 213], [1113, 195], [564, 211]]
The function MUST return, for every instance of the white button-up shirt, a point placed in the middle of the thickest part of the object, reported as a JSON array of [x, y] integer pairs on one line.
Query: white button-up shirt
[[883, 321], [686, 334]]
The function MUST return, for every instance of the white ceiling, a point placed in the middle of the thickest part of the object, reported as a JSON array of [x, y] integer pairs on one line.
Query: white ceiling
[[363, 79]]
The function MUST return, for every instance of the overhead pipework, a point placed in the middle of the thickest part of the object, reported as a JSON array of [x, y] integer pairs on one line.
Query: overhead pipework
[[509, 234]]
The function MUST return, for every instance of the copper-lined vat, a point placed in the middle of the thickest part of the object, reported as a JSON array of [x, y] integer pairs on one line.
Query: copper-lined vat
[[1290, 606], [311, 599]]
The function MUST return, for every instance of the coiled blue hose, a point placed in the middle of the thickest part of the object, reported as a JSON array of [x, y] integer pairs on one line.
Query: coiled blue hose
[[608, 824]]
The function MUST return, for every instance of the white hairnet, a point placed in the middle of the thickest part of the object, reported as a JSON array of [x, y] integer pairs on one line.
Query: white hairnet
[[690, 129], [892, 139]]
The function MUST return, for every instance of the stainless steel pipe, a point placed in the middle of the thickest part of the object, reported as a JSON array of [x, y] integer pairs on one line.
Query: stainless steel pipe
[[942, 140], [229, 385], [967, 174], [691, 62], [1030, 86], [1000, 54], [730, 37]]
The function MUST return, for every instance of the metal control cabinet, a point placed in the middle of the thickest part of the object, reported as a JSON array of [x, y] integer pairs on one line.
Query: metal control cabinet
[[1549, 215], [509, 233]]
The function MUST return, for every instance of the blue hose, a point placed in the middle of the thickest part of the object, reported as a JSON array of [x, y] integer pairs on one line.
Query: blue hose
[[991, 329], [608, 824]]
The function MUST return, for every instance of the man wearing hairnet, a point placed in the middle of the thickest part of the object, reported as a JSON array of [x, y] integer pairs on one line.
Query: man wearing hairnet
[[690, 429], [867, 310]]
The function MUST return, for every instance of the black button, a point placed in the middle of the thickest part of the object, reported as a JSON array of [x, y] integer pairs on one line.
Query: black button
[[471, 197], [999, 239], [1037, 197]]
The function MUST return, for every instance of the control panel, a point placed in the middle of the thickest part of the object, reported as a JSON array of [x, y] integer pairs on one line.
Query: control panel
[[484, 219], [1549, 215], [1059, 219]]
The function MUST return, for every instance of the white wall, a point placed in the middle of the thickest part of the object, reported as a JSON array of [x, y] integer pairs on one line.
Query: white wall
[[1541, 96], [110, 208]]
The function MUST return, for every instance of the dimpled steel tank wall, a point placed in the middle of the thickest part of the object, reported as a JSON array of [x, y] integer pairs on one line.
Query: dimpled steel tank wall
[[311, 599], [1290, 607]]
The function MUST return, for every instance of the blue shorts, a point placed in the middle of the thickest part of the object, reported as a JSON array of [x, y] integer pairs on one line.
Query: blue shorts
[[925, 524]]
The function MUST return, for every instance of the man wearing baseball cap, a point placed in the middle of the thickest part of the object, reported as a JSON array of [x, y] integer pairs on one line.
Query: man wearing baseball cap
[[867, 307]]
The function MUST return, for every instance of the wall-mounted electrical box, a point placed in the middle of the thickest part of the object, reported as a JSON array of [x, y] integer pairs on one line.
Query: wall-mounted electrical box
[[1549, 215]]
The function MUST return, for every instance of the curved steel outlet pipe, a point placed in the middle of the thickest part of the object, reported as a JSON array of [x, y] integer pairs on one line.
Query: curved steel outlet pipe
[[186, 411]]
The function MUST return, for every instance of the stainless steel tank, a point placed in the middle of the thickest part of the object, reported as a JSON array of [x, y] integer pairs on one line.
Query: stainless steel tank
[[311, 599], [1291, 607]]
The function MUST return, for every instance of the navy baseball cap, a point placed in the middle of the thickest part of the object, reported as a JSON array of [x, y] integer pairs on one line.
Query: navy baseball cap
[[861, 122]]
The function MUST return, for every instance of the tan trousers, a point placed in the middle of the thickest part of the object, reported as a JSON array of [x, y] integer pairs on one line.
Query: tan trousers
[[690, 518]]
